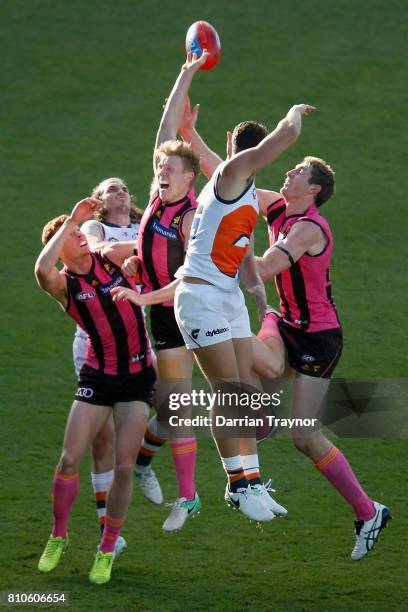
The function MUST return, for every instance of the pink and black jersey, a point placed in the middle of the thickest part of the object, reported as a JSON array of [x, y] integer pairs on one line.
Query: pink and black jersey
[[161, 242], [304, 289], [117, 338]]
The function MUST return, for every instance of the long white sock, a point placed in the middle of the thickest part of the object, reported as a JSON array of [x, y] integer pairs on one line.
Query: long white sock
[[250, 463], [101, 484]]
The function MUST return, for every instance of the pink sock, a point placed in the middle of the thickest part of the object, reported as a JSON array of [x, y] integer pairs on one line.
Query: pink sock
[[184, 454], [338, 471], [111, 532], [64, 492], [269, 328]]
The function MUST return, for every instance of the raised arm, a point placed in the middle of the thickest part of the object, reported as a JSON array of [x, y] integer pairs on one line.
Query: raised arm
[[94, 233], [238, 170], [174, 109], [46, 272], [266, 198], [209, 160], [303, 237]]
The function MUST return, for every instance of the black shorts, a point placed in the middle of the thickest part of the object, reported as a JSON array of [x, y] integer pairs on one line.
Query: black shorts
[[106, 390], [312, 353], [164, 328]]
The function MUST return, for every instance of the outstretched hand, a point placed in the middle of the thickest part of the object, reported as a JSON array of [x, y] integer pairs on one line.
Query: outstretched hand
[[303, 109], [84, 210], [189, 117], [193, 62], [174, 109], [123, 293]]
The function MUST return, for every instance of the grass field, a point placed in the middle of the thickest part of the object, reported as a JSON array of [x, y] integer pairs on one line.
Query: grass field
[[82, 87]]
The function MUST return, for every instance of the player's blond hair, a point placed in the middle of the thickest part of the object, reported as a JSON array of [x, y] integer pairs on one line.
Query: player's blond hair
[[191, 161], [52, 228], [321, 174]]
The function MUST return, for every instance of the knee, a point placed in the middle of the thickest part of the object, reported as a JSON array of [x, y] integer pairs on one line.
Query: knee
[[275, 369], [270, 368], [280, 367], [67, 464], [124, 471], [302, 444]]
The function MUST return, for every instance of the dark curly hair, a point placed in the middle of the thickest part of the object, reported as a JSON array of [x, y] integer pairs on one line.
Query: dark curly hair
[[247, 134]]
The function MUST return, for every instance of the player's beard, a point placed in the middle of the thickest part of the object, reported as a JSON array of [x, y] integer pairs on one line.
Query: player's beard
[[122, 208]]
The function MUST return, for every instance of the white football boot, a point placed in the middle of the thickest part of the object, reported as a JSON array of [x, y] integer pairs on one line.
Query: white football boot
[[268, 500], [120, 546], [367, 532], [249, 502], [149, 484], [181, 510]]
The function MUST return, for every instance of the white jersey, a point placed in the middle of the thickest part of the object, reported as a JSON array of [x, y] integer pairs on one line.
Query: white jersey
[[108, 232], [220, 235]]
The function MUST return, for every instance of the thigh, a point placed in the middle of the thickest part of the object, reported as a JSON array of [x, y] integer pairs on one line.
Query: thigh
[[309, 396], [130, 419], [268, 356], [176, 369], [218, 361], [243, 349], [175, 363], [106, 434], [236, 312], [84, 422]]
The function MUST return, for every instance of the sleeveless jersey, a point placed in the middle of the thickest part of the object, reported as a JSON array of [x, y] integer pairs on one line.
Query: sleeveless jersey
[[111, 233], [304, 289], [116, 233], [160, 245], [220, 235], [117, 339]]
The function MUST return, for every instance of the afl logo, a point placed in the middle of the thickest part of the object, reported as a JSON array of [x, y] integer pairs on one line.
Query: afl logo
[[85, 295], [84, 392]]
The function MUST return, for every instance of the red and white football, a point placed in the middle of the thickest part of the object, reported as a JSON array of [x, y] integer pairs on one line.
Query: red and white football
[[202, 35]]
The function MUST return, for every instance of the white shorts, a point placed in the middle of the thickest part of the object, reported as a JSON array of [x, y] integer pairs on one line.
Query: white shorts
[[79, 349], [207, 315]]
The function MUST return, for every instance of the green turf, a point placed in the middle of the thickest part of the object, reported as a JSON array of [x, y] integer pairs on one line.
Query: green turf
[[82, 86]]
